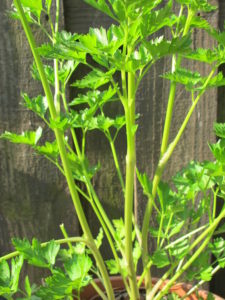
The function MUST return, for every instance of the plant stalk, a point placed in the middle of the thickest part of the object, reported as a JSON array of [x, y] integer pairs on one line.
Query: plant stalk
[[63, 154], [129, 188]]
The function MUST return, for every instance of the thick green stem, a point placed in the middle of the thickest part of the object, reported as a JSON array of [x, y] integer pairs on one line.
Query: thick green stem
[[63, 154], [129, 188]]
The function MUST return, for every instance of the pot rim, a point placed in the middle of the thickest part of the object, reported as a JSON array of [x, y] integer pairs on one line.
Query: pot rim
[[117, 283]]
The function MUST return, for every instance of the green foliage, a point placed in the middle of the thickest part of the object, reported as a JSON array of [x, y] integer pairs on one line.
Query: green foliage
[[125, 50], [9, 279], [95, 98], [161, 47], [160, 259], [102, 6], [32, 9], [186, 77], [82, 170], [38, 105], [218, 150], [36, 255], [158, 19], [94, 79], [198, 5], [218, 249], [219, 129], [49, 150], [28, 137]]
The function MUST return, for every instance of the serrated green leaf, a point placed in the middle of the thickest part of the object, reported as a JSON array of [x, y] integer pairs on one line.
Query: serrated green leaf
[[77, 168], [4, 273], [95, 98], [35, 6], [94, 79], [199, 22], [145, 183], [102, 6], [119, 8], [218, 150], [216, 81], [61, 52], [36, 255], [161, 47], [198, 5], [176, 229], [27, 286], [38, 105], [13, 13], [203, 55], [77, 269], [61, 122], [120, 228], [219, 129], [206, 274], [50, 252], [160, 258], [27, 137], [179, 250], [56, 287], [99, 238], [50, 150], [112, 266], [49, 73], [67, 70], [156, 20], [220, 230], [16, 266], [186, 77]]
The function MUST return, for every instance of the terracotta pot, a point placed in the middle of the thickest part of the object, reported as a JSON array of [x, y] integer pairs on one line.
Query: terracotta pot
[[180, 289]]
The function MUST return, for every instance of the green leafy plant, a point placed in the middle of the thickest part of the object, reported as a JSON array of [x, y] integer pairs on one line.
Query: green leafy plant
[[129, 47]]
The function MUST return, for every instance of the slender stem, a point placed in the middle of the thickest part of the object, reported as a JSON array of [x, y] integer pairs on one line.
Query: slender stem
[[195, 287], [98, 290], [129, 189], [147, 216], [169, 114], [62, 228], [88, 182], [162, 163], [185, 237], [160, 169], [63, 154], [174, 143], [160, 229], [117, 165], [167, 229], [208, 234], [56, 63], [60, 241]]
